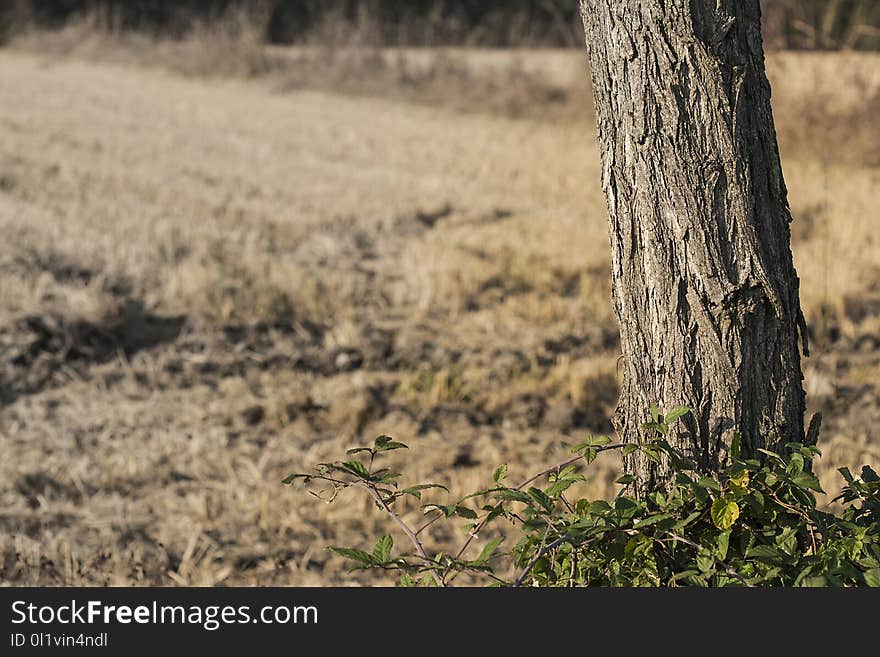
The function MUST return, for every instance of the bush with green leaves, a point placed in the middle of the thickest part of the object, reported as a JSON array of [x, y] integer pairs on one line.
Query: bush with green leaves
[[756, 524]]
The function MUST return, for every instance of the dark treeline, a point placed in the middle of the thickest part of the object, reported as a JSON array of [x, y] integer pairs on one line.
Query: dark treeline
[[795, 24]]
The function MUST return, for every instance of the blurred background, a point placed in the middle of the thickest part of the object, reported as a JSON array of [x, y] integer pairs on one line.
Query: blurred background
[[788, 24], [241, 237]]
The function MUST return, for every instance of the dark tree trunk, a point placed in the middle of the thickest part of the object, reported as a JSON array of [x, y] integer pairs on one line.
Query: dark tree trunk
[[703, 281]]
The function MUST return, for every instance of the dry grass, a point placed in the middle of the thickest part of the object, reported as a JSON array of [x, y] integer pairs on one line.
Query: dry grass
[[209, 281], [531, 83]]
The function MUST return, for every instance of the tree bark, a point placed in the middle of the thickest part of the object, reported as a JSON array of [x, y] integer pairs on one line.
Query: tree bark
[[703, 282]]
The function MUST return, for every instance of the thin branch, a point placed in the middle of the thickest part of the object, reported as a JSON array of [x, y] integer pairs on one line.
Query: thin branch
[[437, 516], [566, 503], [413, 535], [553, 468], [410, 534]]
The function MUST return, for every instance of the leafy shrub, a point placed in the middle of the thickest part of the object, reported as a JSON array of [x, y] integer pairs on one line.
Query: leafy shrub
[[756, 524]]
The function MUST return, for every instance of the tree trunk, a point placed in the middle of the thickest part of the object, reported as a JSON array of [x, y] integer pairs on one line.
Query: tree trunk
[[704, 286]]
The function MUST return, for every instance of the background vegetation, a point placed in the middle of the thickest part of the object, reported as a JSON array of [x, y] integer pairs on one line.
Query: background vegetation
[[802, 24]]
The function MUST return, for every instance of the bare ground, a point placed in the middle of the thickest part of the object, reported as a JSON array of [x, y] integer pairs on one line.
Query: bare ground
[[209, 282]]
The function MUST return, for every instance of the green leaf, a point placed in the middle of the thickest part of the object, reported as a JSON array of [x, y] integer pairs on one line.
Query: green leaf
[[513, 495], [356, 468], [534, 524], [724, 513], [736, 446], [681, 524], [541, 498], [682, 575], [597, 441], [655, 413], [755, 501], [626, 506], [446, 509], [658, 498], [868, 474], [494, 512], [386, 444], [385, 476], [773, 455], [599, 507], [358, 450], [500, 473], [652, 453], [626, 480], [676, 413], [872, 577], [489, 550], [807, 480], [708, 482], [786, 540], [558, 487], [739, 482], [705, 561], [589, 454], [661, 428], [289, 479], [355, 555], [382, 550], [846, 474], [722, 542], [766, 553], [464, 512], [651, 520], [415, 490]]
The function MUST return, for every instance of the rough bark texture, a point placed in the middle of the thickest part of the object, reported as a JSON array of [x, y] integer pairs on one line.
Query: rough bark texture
[[703, 281]]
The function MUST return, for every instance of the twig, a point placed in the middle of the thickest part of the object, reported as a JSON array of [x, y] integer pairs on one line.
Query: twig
[[437, 516], [410, 534], [785, 505], [553, 468], [413, 535], [569, 461]]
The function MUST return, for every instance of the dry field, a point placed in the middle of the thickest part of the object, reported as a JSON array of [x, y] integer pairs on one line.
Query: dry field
[[208, 281]]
